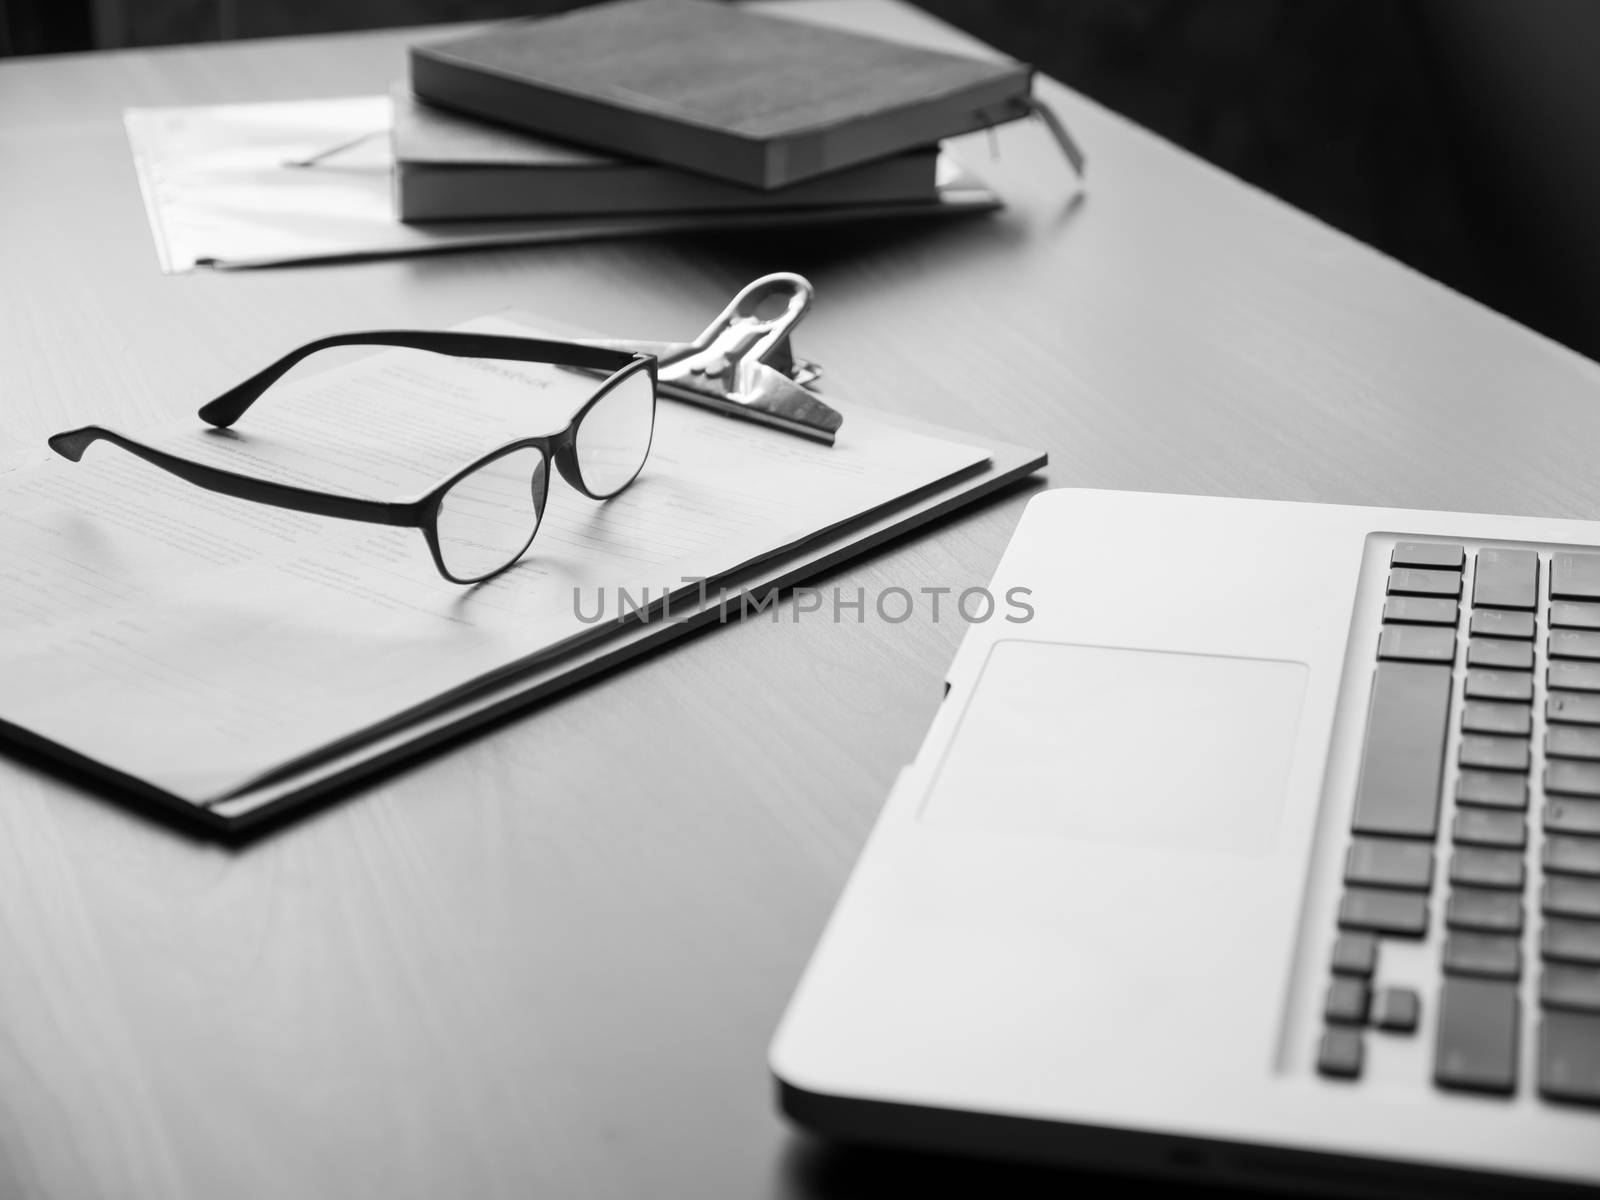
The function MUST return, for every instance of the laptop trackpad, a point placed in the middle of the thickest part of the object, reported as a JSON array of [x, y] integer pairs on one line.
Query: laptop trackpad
[[1138, 746]]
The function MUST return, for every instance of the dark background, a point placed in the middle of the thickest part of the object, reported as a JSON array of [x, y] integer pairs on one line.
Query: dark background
[[1455, 135]]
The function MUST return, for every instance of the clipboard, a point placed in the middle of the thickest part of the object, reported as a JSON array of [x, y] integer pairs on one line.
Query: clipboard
[[288, 796], [1008, 466], [746, 335]]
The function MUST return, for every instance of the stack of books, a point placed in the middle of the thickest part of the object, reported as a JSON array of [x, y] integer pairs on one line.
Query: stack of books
[[687, 106]]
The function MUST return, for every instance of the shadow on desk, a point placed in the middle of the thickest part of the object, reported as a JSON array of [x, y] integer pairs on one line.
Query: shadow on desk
[[821, 1169], [815, 249]]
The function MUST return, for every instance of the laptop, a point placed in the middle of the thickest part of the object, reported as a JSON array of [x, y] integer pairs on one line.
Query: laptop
[[1257, 843]]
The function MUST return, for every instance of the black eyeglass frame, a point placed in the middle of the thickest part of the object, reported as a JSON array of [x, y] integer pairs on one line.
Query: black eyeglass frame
[[422, 512]]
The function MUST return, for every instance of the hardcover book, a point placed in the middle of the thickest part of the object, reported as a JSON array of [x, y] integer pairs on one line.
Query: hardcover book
[[719, 89], [450, 167]]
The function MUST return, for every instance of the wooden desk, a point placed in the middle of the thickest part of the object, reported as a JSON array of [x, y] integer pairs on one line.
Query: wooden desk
[[547, 963]]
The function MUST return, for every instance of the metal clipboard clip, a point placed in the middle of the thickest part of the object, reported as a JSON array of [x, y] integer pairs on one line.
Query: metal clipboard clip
[[744, 364]]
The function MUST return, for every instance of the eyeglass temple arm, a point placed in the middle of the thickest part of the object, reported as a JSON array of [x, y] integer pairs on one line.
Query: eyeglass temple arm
[[72, 443], [231, 405]]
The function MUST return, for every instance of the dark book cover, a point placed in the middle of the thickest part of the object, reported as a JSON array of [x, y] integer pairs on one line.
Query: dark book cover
[[716, 88]]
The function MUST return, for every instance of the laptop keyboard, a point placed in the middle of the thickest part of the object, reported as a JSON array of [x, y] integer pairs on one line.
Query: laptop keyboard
[[1524, 629]]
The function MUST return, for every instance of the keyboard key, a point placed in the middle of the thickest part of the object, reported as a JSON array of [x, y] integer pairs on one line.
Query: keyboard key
[[1572, 741], [1416, 581], [1575, 616], [1396, 1009], [1339, 1054], [1428, 554], [1484, 716], [1566, 940], [1402, 913], [1402, 763], [1476, 1047], [1565, 896], [1492, 789], [1574, 676], [1423, 610], [1492, 622], [1347, 1001], [1572, 778], [1419, 643], [1572, 708], [1484, 954], [1564, 815], [1570, 987], [1383, 862], [1571, 856], [1506, 579], [1474, 866], [1574, 576], [1491, 753], [1499, 685], [1355, 954], [1573, 643], [1569, 1057], [1499, 654], [1484, 912], [1484, 827]]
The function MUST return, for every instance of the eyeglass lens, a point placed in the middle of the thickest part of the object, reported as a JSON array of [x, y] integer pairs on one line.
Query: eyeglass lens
[[489, 516], [613, 438]]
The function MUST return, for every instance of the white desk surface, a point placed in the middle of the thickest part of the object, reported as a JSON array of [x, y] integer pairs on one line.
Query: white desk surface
[[547, 962]]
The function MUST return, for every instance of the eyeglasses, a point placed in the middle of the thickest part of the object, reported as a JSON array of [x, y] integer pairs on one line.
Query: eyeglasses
[[483, 518]]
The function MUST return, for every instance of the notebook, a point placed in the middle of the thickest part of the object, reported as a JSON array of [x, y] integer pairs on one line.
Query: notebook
[[450, 167], [720, 89]]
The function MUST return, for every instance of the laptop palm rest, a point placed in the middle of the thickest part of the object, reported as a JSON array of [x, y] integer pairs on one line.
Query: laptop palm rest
[[1122, 745]]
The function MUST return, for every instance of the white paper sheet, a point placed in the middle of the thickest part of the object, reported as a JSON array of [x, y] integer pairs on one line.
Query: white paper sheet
[[198, 642], [218, 189]]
